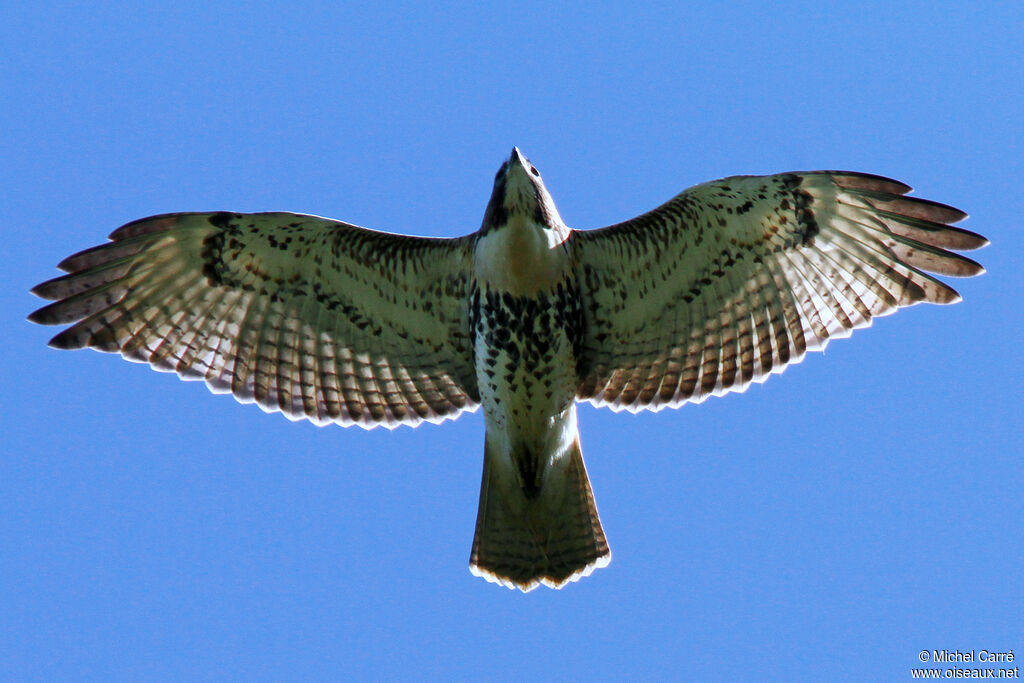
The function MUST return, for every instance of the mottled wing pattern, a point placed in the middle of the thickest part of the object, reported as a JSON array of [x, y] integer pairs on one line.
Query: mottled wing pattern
[[313, 317], [734, 279]]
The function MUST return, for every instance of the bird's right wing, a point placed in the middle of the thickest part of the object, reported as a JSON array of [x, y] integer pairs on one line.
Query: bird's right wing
[[734, 279], [309, 316]]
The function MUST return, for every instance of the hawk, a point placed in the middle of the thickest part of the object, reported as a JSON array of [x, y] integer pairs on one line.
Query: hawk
[[723, 285]]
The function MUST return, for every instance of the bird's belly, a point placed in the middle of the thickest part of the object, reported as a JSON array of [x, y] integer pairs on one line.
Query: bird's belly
[[526, 364]]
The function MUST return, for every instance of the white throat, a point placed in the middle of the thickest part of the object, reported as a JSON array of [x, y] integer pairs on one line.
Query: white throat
[[522, 257]]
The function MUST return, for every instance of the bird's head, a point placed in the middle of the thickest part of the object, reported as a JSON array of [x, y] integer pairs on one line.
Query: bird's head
[[519, 193]]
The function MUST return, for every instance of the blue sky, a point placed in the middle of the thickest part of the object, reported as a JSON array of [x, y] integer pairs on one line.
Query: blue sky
[[827, 525]]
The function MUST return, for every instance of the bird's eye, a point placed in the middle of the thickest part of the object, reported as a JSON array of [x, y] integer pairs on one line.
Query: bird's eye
[[533, 170]]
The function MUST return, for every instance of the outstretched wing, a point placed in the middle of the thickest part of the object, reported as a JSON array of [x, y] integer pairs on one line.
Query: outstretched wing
[[309, 316], [734, 279]]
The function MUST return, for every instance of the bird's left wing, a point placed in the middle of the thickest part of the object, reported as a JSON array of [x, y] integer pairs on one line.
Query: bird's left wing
[[734, 279], [313, 317]]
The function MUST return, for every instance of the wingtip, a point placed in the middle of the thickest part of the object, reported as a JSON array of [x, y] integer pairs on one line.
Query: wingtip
[[69, 264], [942, 295], [40, 290], [962, 240], [65, 341], [969, 268], [49, 314], [150, 224], [856, 180]]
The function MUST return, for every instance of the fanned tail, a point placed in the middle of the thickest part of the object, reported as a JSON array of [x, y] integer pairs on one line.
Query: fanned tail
[[551, 537]]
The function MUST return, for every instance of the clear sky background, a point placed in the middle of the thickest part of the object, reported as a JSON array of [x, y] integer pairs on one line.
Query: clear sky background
[[827, 525]]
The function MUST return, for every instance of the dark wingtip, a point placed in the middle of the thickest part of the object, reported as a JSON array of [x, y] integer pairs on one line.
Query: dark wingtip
[[51, 313], [42, 316], [855, 180], [145, 226], [82, 259], [41, 289], [971, 268], [66, 341], [936, 211], [68, 264], [961, 240]]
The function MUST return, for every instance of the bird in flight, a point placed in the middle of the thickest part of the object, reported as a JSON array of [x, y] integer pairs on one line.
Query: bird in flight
[[723, 285]]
